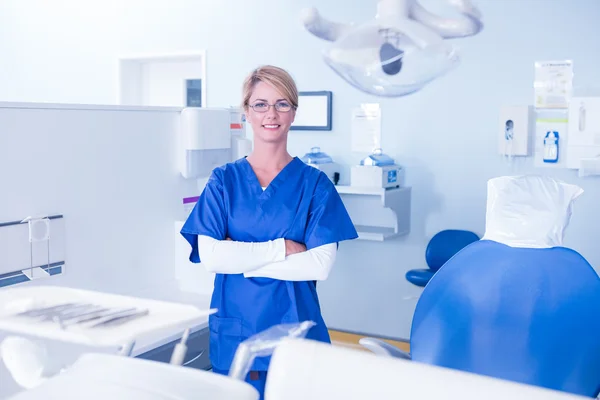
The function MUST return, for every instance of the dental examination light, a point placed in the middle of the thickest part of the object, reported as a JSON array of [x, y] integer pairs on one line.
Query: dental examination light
[[398, 52]]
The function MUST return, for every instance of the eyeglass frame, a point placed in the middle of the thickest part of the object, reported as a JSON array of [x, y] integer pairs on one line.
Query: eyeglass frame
[[292, 107]]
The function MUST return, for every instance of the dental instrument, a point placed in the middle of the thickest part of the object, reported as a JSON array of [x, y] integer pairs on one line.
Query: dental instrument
[[121, 318], [69, 314], [180, 349]]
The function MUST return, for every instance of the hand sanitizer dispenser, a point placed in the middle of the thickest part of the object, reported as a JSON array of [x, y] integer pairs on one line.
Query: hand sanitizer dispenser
[[551, 147], [516, 130]]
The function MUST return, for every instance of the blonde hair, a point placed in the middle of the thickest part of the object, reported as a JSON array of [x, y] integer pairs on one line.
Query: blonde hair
[[277, 77]]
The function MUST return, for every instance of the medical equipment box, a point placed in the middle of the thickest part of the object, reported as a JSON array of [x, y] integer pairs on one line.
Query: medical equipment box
[[323, 162], [386, 176], [330, 169]]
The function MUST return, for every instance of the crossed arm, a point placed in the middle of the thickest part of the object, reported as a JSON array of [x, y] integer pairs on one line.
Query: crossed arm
[[277, 259]]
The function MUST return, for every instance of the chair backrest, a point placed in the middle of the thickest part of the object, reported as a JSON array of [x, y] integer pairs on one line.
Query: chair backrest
[[521, 314], [306, 369], [445, 244]]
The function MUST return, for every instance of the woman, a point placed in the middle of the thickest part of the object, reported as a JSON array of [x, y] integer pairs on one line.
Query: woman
[[268, 226]]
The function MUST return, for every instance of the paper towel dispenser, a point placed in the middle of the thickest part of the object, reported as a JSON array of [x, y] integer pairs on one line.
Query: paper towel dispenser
[[210, 137]]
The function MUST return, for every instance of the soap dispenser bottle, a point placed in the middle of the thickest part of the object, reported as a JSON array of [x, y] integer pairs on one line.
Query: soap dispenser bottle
[[551, 147]]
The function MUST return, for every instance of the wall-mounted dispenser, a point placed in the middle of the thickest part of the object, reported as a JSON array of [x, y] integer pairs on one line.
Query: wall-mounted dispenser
[[515, 130], [210, 137]]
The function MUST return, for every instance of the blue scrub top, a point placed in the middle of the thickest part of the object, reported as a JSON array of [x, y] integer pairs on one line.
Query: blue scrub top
[[300, 204]]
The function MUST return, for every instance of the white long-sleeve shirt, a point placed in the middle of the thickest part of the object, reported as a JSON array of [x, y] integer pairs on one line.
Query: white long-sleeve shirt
[[266, 259]]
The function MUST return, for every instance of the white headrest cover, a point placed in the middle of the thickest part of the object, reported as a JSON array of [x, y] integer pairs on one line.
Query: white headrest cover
[[529, 211]]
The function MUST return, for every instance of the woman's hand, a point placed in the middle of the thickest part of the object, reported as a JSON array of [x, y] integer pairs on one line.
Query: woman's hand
[[292, 247]]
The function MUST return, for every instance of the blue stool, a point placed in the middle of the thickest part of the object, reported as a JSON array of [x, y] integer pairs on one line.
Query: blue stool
[[442, 247]]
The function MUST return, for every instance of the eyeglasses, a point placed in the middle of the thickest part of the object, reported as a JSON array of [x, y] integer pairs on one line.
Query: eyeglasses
[[280, 106]]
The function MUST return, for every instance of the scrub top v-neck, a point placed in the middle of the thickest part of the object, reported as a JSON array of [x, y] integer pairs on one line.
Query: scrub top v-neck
[[254, 183]]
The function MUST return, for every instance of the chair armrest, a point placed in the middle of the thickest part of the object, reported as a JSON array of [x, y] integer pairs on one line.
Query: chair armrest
[[380, 347]]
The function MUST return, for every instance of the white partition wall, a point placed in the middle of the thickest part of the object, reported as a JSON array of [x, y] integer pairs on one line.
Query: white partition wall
[[111, 173]]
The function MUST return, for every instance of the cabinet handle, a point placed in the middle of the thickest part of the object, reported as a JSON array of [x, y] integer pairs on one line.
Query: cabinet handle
[[195, 358]]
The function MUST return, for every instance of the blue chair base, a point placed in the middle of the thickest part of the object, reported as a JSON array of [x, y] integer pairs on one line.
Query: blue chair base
[[419, 277]]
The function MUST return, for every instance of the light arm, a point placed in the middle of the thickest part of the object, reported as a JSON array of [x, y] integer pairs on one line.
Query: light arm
[[470, 24], [311, 265], [321, 27]]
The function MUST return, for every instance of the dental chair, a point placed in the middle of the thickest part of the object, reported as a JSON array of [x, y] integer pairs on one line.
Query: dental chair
[[516, 305], [442, 247]]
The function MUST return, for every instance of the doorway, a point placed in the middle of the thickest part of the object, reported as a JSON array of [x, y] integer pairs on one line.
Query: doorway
[[167, 80]]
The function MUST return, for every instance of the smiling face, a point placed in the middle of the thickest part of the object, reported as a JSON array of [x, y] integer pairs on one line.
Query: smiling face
[[269, 124]]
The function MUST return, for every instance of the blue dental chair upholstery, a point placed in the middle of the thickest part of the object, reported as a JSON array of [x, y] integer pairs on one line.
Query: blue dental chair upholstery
[[530, 315], [442, 247]]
